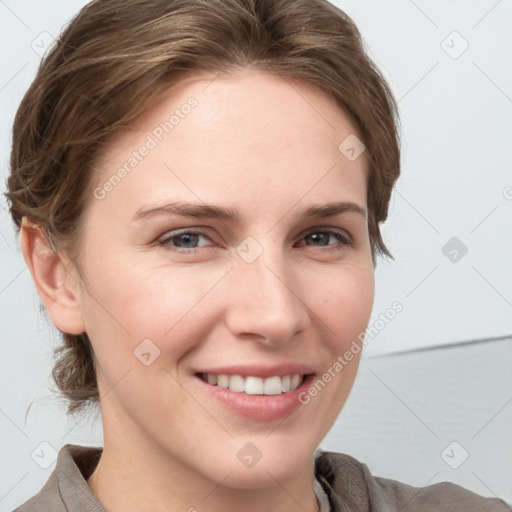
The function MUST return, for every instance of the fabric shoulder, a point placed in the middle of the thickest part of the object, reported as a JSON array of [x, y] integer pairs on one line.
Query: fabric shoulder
[[345, 474], [48, 498], [67, 489], [441, 496]]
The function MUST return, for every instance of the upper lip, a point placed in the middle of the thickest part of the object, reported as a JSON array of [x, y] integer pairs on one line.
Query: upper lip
[[261, 371]]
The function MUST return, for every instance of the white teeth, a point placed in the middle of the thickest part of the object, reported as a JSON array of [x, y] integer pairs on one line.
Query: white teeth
[[295, 381], [272, 386], [236, 383], [222, 381], [255, 385]]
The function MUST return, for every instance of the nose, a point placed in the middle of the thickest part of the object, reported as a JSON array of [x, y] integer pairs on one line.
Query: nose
[[264, 302]]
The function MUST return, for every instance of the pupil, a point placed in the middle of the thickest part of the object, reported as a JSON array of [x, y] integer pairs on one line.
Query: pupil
[[188, 237], [316, 238]]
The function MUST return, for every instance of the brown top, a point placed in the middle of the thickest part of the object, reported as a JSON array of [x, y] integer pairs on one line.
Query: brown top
[[346, 481]]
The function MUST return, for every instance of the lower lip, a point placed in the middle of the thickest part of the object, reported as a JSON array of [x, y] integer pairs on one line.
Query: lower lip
[[258, 407]]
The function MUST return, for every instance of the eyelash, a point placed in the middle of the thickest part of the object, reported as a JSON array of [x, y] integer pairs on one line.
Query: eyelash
[[164, 242]]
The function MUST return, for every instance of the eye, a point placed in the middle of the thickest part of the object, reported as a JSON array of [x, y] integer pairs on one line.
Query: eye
[[321, 238], [187, 241], [182, 242]]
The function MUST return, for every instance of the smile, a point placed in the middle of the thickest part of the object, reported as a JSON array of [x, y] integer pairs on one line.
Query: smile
[[252, 385]]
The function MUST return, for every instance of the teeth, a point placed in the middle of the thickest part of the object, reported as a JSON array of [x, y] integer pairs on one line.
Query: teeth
[[272, 386], [295, 381], [285, 383], [223, 381], [254, 385], [236, 383]]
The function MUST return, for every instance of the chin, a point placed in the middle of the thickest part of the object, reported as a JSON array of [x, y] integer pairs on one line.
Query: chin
[[260, 463]]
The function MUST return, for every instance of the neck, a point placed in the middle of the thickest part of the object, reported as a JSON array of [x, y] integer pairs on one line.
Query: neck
[[145, 478]]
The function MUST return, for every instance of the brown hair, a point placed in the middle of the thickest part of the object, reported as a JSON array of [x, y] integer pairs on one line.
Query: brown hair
[[117, 56]]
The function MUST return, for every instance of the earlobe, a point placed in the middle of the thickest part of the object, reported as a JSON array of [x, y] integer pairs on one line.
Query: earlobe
[[59, 290]]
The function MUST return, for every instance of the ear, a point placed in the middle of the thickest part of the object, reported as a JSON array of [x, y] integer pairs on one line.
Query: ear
[[59, 290]]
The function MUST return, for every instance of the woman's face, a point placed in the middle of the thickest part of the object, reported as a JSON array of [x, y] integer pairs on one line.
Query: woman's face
[[269, 293]]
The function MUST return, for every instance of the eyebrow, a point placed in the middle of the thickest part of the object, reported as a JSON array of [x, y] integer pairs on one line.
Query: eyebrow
[[202, 210]]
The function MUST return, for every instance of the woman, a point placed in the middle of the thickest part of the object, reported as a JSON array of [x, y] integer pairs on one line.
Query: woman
[[198, 187]]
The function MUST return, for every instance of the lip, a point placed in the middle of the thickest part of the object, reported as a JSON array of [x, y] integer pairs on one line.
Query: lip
[[260, 408]]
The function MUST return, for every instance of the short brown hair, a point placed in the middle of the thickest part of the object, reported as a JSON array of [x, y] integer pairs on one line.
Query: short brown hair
[[117, 56]]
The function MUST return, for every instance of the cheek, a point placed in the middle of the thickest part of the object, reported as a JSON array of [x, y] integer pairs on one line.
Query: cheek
[[130, 302], [347, 304], [141, 298], [344, 311]]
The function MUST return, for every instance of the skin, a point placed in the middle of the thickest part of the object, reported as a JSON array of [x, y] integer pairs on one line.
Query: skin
[[267, 146]]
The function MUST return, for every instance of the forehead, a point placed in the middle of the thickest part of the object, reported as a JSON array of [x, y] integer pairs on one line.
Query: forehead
[[223, 134]]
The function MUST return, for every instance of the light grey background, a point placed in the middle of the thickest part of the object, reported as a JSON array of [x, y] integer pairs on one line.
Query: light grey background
[[435, 382]]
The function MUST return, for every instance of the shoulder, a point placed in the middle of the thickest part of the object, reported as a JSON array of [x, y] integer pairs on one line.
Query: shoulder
[[353, 487], [46, 499], [67, 488]]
